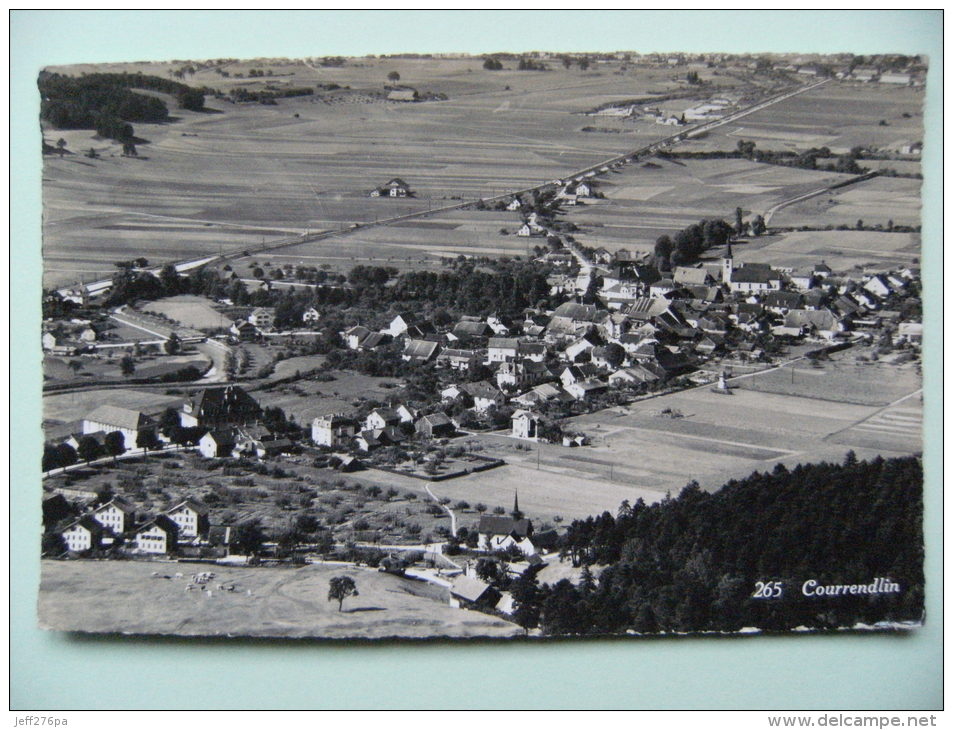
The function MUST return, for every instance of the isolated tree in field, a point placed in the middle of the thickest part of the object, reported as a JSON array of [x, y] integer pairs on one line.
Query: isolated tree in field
[[341, 587], [739, 222], [583, 63], [89, 449], [75, 365], [567, 62], [393, 76], [127, 366], [61, 146], [758, 227], [115, 444]]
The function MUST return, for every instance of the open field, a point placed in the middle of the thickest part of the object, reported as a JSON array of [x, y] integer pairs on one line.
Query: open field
[[68, 407], [638, 453], [875, 201], [837, 115], [307, 399], [189, 310], [211, 181], [121, 597], [841, 250], [660, 196]]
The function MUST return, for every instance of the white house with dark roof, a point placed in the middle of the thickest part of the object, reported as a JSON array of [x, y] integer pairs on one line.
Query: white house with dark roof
[[218, 443], [129, 423], [333, 430], [263, 318], [160, 536], [190, 517], [381, 418], [498, 532], [83, 534], [115, 515], [525, 425], [501, 349], [419, 350], [354, 336]]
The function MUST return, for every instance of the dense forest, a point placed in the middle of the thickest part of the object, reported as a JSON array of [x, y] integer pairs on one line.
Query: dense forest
[[107, 103], [693, 563]]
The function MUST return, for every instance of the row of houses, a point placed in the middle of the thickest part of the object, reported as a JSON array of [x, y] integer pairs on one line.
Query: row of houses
[[184, 523]]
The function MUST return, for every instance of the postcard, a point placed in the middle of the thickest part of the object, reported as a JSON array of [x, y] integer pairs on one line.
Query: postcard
[[517, 345]]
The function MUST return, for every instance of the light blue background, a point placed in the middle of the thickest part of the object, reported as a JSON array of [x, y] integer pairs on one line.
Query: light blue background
[[54, 671]]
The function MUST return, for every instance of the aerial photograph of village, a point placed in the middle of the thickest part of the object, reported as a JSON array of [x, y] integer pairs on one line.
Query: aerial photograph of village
[[513, 345]]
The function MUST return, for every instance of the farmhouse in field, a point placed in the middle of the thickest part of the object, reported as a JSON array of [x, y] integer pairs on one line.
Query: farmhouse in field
[[83, 534], [393, 188]]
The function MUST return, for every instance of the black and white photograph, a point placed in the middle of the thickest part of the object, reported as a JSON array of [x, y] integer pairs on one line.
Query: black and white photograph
[[516, 345]]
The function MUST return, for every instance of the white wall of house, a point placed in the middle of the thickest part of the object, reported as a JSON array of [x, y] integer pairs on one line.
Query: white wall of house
[[129, 436], [155, 541], [112, 517], [187, 519], [78, 538]]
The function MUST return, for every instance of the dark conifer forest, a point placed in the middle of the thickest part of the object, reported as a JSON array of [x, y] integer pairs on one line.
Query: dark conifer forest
[[693, 563], [107, 103]]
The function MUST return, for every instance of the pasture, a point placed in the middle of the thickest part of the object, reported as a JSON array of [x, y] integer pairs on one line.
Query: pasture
[[61, 408], [209, 182], [643, 451], [122, 597], [837, 115], [875, 202], [189, 310], [308, 399], [841, 250], [660, 197]]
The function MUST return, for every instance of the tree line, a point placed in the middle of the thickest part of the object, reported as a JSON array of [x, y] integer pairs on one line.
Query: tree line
[[503, 287], [693, 563], [107, 103]]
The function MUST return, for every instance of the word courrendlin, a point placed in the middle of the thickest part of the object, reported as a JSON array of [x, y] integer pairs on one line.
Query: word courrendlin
[[878, 585]]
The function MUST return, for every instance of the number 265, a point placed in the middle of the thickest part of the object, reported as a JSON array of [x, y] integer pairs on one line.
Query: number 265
[[771, 589]]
